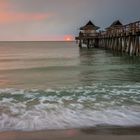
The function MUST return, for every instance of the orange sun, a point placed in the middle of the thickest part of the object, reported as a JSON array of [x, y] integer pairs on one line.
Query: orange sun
[[68, 38]]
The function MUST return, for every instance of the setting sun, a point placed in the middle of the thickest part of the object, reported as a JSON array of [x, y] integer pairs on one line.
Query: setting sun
[[68, 38]]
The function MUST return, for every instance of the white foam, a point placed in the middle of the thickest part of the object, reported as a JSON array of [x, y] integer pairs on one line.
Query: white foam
[[79, 107], [39, 118], [5, 100]]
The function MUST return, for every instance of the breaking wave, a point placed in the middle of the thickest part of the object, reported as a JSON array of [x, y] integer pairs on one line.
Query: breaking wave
[[65, 108]]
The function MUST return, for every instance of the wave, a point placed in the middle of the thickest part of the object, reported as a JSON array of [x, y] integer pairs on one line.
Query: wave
[[71, 107]]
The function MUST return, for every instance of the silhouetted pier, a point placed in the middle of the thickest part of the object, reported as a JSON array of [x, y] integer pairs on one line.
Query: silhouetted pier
[[117, 37]]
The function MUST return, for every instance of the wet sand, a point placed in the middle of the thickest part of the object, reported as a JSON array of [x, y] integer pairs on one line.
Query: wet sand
[[98, 133]]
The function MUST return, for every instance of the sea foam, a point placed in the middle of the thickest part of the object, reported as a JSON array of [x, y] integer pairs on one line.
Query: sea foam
[[64, 108]]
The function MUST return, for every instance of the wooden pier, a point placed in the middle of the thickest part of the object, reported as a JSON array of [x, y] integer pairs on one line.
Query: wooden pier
[[117, 37]]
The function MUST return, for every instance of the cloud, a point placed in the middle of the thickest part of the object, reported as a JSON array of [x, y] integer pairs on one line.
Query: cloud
[[4, 5], [11, 17], [9, 14]]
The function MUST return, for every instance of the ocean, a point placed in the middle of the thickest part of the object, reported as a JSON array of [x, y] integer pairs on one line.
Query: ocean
[[56, 85]]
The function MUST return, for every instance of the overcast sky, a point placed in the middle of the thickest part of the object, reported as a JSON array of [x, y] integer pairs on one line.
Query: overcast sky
[[58, 19]]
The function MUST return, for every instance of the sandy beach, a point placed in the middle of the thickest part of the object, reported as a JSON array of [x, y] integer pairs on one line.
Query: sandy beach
[[100, 133]]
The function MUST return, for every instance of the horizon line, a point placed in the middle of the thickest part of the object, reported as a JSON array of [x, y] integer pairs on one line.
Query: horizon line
[[36, 41]]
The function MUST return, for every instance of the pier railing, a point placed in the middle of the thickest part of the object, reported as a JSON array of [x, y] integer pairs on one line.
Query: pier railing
[[86, 35], [126, 30], [123, 39]]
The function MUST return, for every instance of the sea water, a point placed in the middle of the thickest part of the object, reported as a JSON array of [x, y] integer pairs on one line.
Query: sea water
[[56, 85]]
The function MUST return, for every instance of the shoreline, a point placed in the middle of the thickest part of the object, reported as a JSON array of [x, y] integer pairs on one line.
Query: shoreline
[[100, 133]]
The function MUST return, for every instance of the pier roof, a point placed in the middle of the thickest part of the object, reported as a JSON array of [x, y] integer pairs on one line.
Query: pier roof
[[89, 26], [116, 23]]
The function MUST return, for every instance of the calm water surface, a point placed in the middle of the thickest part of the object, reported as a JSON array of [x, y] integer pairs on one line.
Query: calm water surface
[[54, 85]]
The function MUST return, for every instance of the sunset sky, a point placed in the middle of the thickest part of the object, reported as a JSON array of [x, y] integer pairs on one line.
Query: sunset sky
[[60, 19]]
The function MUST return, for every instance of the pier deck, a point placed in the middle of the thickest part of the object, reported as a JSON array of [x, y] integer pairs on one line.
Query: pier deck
[[125, 38]]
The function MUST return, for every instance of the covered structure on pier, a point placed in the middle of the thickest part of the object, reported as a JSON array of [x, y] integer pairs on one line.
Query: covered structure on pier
[[87, 35], [89, 28], [115, 24], [114, 27]]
